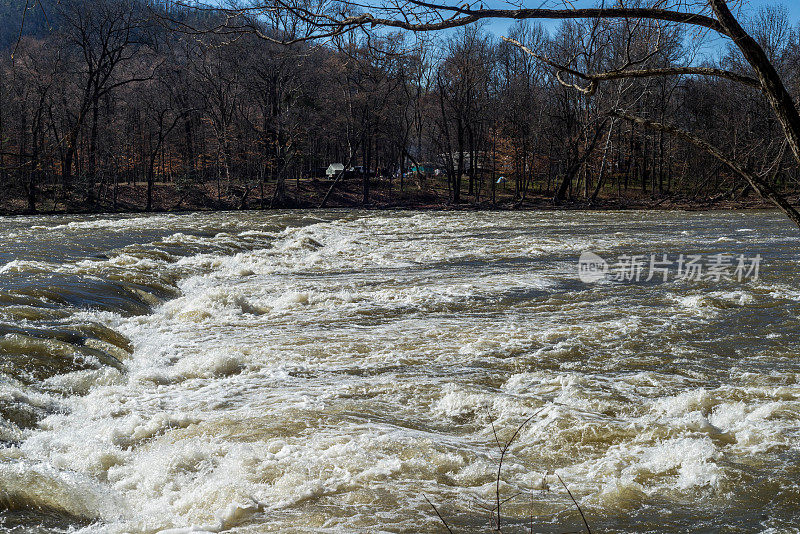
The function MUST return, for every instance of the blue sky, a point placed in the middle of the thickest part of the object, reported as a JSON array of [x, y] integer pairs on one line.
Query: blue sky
[[793, 6], [500, 27]]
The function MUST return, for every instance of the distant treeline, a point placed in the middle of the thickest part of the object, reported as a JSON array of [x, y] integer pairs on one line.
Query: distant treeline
[[101, 96]]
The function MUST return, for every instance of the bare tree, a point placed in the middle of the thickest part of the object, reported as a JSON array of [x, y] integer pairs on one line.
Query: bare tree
[[605, 106], [329, 18], [105, 35]]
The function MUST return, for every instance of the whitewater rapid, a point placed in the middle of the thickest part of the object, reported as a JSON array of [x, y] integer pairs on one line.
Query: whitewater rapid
[[327, 371]]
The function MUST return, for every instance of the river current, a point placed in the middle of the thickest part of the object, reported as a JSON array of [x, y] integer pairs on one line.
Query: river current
[[330, 371]]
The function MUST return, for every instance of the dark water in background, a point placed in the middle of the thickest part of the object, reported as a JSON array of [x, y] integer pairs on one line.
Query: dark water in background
[[321, 371]]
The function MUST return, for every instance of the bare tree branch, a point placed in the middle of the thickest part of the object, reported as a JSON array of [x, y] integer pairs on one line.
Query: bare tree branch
[[594, 78], [762, 187]]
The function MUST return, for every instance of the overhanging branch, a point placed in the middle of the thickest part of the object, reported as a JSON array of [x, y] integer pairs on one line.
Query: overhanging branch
[[757, 182], [595, 78], [467, 15]]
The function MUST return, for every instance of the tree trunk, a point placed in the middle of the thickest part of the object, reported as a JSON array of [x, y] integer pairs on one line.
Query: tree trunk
[[69, 158], [151, 179], [92, 173], [771, 83], [460, 166]]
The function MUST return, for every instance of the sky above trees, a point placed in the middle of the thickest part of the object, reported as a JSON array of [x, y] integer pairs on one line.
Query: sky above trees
[[500, 27], [792, 8]]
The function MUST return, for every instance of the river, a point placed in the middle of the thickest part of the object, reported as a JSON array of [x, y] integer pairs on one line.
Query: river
[[328, 371]]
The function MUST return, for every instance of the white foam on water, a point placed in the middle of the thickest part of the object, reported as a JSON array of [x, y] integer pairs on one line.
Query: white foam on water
[[27, 266], [121, 224], [41, 485]]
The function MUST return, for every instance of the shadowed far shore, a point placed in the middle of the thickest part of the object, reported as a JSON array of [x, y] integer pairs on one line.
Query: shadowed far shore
[[347, 194]]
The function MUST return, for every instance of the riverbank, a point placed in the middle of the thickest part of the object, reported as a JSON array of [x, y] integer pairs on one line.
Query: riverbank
[[383, 194]]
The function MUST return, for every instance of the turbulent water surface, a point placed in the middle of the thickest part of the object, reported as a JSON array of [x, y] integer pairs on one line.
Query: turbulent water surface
[[327, 371]]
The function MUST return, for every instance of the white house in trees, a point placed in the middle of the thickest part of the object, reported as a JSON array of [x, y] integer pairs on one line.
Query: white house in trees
[[334, 169]]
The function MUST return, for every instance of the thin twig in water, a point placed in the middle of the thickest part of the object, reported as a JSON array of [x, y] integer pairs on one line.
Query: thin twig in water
[[533, 502], [503, 451], [586, 523], [438, 514]]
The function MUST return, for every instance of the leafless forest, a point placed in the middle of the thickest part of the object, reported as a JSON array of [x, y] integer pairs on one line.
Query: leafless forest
[[131, 105]]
